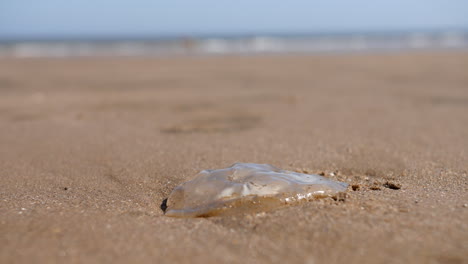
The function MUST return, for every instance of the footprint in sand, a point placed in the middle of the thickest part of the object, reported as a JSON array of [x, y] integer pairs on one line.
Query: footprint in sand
[[220, 124]]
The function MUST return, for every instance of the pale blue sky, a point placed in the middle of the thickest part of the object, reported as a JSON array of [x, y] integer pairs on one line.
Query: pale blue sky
[[107, 18]]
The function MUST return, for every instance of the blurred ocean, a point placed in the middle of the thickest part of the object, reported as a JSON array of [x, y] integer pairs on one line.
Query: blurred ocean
[[241, 44]]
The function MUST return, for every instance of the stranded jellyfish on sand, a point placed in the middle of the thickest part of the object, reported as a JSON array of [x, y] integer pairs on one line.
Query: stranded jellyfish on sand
[[246, 187]]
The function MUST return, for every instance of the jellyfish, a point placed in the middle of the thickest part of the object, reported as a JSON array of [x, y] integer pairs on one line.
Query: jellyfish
[[245, 188]]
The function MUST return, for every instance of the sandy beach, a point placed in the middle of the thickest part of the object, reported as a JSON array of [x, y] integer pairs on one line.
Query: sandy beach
[[90, 147]]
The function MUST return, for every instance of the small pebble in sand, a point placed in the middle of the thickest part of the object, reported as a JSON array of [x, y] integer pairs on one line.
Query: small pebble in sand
[[247, 187], [392, 185]]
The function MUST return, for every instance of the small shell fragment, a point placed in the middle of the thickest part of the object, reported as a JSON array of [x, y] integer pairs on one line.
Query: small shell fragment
[[246, 187]]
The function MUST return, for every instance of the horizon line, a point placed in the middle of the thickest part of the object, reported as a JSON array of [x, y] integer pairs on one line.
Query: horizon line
[[203, 35]]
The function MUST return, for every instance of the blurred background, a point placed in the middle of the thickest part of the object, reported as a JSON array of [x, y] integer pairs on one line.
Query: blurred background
[[86, 28]]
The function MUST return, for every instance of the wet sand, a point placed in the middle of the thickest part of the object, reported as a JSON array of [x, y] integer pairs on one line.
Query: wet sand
[[90, 147]]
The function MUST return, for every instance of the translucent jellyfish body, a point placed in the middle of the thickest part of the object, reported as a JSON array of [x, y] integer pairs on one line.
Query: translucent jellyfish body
[[246, 187]]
